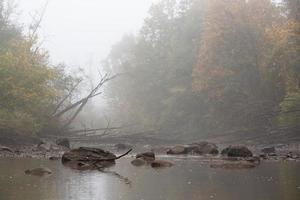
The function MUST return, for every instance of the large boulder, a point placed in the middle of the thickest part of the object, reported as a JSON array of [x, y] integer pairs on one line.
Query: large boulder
[[85, 158], [237, 151], [65, 142], [147, 156]]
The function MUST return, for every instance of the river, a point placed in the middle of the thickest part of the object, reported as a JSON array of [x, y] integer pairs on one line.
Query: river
[[189, 179]]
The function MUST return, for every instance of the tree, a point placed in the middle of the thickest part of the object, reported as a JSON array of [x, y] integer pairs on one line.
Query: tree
[[156, 66], [246, 62]]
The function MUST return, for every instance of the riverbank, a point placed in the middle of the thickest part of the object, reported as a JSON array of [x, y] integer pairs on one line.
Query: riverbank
[[51, 150]]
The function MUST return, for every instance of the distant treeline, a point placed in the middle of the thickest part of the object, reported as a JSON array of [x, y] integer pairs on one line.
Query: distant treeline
[[210, 66]]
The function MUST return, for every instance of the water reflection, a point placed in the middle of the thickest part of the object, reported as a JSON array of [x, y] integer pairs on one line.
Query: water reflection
[[186, 180]]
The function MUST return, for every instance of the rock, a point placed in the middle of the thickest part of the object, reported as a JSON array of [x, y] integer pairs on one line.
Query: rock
[[138, 162], [161, 164], [160, 149], [121, 146], [202, 148], [263, 156], [54, 158], [147, 156], [268, 150], [38, 171], [177, 150], [272, 154], [233, 164], [237, 151], [48, 147], [7, 149], [87, 157], [43, 147], [254, 159], [65, 142]]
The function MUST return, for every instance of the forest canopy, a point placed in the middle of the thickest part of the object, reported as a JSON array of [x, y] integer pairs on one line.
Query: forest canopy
[[196, 68], [30, 87], [200, 67]]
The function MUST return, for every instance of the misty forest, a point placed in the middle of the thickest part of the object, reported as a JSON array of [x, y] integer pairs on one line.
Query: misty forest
[[206, 92]]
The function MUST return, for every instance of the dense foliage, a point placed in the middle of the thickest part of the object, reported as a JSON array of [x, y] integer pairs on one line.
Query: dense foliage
[[203, 67], [29, 86]]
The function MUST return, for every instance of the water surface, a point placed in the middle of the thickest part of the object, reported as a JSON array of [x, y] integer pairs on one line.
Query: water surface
[[189, 179]]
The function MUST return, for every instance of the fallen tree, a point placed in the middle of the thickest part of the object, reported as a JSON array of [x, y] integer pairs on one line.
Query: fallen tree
[[65, 113]]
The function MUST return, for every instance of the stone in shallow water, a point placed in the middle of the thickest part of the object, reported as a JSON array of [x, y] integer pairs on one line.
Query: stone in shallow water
[[121, 146], [138, 162], [147, 156], [202, 148], [85, 158], [237, 151], [161, 164], [177, 150], [242, 164], [6, 149], [42, 171], [268, 150]]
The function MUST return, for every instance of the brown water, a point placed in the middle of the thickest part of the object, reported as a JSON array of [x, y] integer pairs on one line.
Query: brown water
[[189, 179]]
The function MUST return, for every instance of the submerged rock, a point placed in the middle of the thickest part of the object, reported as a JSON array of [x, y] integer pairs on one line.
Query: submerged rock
[[237, 151], [161, 164], [226, 164], [138, 162], [38, 171], [122, 146], [147, 156]]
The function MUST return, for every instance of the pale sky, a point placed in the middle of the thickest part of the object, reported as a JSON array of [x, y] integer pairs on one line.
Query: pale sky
[[81, 32]]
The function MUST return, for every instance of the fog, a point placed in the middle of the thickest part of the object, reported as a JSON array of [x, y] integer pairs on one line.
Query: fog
[[176, 69], [80, 33], [207, 91]]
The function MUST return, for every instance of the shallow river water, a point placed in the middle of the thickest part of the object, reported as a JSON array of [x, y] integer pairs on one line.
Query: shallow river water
[[189, 179]]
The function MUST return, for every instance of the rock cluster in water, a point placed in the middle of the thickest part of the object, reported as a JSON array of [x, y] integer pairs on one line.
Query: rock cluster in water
[[200, 148], [148, 158]]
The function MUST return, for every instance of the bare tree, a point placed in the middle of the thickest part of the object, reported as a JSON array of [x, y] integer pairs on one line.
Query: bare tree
[[79, 105]]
